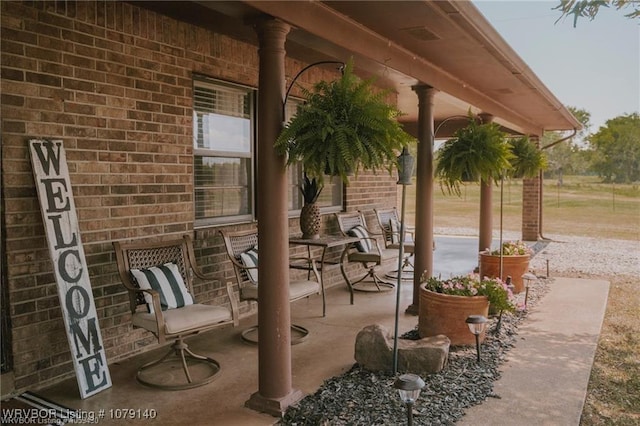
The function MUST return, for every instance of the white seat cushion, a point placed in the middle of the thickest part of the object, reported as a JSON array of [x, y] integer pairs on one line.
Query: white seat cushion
[[297, 290], [185, 319], [373, 256], [303, 288], [408, 247], [249, 291]]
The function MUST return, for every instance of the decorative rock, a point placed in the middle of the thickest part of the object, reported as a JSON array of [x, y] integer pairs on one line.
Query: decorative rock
[[427, 355], [374, 351]]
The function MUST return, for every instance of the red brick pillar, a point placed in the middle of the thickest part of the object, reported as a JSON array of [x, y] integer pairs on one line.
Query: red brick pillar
[[423, 253], [275, 392], [531, 209]]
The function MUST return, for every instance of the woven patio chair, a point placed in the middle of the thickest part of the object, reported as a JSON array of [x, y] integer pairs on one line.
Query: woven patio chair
[[390, 225], [242, 251], [367, 252], [159, 279]]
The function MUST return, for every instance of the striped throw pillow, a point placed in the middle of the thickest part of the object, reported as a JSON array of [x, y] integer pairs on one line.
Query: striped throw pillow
[[250, 259], [167, 281], [394, 225], [359, 231]]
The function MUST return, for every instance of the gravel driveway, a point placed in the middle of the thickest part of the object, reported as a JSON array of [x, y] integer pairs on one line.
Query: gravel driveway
[[575, 256]]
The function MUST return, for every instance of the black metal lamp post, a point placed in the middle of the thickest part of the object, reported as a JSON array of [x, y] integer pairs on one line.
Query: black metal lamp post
[[409, 386], [405, 172], [286, 96], [476, 325]]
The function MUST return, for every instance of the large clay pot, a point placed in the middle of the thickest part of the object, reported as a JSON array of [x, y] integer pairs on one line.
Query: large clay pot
[[445, 314], [514, 266]]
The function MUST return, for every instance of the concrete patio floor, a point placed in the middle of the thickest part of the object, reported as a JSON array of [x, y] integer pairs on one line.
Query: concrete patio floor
[[544, 380], [327, 352]]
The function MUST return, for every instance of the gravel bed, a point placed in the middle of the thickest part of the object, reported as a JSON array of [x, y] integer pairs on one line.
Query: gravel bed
[[581, 256], [574, 256], [361, 397]]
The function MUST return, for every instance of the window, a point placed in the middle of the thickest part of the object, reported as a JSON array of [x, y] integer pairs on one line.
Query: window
[[224, 152], [330, 199], [223, 118]]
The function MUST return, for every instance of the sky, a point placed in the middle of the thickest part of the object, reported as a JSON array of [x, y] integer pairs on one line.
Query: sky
[[594, 66]]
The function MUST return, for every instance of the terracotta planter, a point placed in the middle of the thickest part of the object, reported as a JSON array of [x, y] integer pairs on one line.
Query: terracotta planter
[[445, 314], [515, 266]]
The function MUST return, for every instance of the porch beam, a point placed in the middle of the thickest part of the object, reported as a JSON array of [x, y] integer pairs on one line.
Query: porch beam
[[326, 23]]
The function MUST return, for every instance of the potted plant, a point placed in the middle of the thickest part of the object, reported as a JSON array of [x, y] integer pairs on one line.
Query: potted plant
[[446, 304], [512, 258], [526, 160], [477, 152], [310, 214], [342, 127]]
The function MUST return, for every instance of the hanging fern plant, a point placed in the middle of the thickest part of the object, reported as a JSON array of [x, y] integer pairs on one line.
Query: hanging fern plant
[[342, 127], [527, 159], [476, 152]]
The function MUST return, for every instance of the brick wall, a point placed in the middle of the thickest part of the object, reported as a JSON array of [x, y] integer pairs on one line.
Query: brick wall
[[531, 209], [114, 82]]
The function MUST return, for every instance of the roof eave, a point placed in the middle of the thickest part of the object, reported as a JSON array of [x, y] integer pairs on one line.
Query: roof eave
[[477, 26]]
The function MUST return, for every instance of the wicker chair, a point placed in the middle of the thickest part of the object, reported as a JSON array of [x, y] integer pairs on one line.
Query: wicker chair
[[174, 260], [391, 233], [367, 252], [389, 222], [241, 242]]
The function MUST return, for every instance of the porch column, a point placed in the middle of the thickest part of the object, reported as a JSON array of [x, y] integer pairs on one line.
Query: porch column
[[423, 253], [274, 393], [532, 205], [486, 195]]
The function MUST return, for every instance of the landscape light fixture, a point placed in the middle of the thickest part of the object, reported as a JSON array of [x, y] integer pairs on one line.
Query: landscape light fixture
[[528, 279], [409, 386], [476, 324], [405, 171], [547, 268]]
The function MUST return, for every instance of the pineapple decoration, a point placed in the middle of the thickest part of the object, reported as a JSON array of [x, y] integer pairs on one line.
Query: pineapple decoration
[[310, 214]]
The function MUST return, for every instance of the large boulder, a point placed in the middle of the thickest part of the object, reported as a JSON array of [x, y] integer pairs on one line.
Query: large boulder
[[374, 351]]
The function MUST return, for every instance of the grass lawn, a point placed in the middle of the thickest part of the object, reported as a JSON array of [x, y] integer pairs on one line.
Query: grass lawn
[[581, 206], [613, 396]]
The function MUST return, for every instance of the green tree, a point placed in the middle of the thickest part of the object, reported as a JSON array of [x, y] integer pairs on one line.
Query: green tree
[[584, 117], [589, 8], [568, 157], [615, 149], [559, 159]]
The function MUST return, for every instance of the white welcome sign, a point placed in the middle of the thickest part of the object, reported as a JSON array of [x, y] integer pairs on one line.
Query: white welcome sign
[[51, 175]]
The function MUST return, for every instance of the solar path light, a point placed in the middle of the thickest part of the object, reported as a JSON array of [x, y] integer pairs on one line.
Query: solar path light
[[409, 386], [476, 324]]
